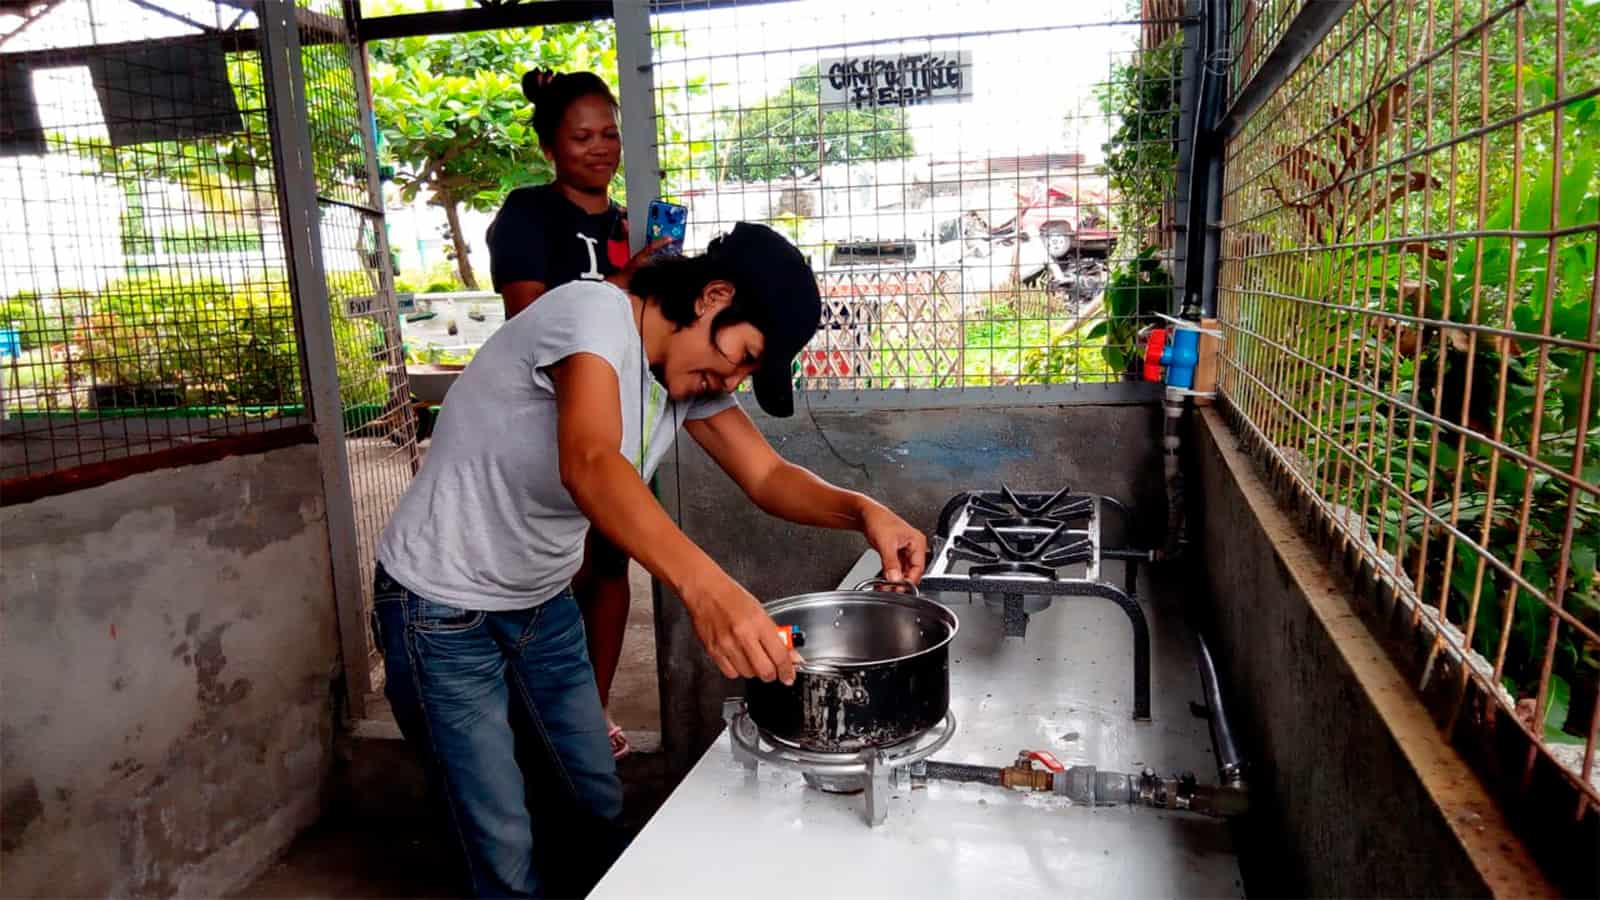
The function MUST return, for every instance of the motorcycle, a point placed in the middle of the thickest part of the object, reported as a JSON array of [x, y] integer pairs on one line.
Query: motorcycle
[[1071, 271]]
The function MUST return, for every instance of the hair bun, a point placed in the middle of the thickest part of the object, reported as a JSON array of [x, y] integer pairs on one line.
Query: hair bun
[[534, 83]]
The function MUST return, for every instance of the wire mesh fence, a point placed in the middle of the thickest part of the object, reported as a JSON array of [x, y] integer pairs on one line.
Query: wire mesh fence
[[148, 293], [1409, 290], [1254, 29], [976, 201], [143, 281], [379, 421]]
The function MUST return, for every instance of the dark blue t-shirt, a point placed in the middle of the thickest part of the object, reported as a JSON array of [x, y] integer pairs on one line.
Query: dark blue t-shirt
[[540, 235]]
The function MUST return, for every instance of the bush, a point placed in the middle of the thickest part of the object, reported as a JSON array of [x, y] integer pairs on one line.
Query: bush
[[440, 278], [165, 340], [217, 345], [25, 312], [1137, 289]]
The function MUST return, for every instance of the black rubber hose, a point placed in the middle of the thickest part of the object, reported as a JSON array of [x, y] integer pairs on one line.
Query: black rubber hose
[[1230, 764], [943, 771]]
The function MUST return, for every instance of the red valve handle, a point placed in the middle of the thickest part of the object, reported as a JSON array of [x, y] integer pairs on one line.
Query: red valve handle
[[1152, 354], [1045, 759]]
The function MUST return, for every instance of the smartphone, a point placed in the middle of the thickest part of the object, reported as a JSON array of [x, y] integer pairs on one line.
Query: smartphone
[[666, 220]]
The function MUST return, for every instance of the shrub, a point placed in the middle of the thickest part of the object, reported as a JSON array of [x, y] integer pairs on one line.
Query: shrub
[[37, 328], [439, 278], [219, 346]]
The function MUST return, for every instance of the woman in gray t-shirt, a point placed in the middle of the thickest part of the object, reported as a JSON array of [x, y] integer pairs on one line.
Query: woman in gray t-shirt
[[569, 230], [550, 432]]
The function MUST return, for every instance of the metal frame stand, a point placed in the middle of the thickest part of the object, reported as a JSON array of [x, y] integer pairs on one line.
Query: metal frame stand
[[955, 519]]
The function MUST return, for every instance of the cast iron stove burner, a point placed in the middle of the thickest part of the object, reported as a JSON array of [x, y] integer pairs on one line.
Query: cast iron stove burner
[[1016, 549], [874, 772], [1027, 521], [1032, 570], [1043, 552], [1056, 506]]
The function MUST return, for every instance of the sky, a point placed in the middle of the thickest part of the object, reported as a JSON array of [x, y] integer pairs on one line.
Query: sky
[[1024, 84], [1034, 62]]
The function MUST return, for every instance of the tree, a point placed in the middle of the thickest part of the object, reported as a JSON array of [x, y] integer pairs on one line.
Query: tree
[[779, 137], [454, 120]]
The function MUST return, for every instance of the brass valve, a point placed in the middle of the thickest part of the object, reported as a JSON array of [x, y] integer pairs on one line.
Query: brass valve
[[1025, 775]]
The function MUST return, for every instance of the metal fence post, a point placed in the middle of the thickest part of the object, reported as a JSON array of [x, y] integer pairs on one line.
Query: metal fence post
[[1188, 102], [398, 381], [637, 85], [297, 195]]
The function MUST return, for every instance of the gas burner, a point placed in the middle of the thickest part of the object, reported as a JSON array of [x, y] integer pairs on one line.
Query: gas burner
[[1047, 550], [1031, 570], [874, 772], [1009, 504], [1022, 551], [1029, 522]]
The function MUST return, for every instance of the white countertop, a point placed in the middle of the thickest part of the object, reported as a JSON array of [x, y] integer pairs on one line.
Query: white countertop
[[1066, 688]]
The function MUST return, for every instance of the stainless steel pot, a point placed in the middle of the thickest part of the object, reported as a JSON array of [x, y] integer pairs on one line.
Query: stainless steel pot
[[877, 670]]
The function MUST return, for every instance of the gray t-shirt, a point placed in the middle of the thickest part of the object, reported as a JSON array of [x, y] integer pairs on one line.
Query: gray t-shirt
[[487, 525]]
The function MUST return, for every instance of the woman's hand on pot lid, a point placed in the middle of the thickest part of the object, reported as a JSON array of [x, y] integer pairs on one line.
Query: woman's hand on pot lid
[[903, 549]]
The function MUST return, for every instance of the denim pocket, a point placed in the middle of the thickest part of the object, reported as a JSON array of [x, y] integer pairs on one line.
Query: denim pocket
[[555, 622], [426, 615]]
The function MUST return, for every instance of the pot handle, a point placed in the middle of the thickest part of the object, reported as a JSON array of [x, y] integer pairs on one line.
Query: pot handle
[[890, 583]]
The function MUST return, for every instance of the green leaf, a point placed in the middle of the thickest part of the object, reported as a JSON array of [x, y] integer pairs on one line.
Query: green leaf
[[1575, 187], [1583, 563], [1558, 699], [1536, 208]]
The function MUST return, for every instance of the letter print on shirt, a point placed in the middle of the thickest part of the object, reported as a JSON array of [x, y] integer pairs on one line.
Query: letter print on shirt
[[594, 262]]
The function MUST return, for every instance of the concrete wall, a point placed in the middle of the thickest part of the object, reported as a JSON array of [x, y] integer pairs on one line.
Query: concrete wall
[[170, 648], [1353, 791], [911, 459]]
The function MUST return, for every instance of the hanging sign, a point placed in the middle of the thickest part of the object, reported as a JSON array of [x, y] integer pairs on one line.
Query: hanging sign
[[896, 80]]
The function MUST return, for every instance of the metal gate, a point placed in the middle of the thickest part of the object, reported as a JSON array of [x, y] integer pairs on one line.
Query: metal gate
[[344, 290], [969, 179]]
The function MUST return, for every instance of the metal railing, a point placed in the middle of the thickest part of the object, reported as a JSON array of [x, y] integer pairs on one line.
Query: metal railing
[[1409, 293]]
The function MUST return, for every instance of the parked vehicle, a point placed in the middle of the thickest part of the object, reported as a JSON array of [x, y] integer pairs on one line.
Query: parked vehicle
[[1073, 245]]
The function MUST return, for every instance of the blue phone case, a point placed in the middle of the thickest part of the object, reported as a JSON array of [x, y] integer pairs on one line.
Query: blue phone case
[[667, 220]]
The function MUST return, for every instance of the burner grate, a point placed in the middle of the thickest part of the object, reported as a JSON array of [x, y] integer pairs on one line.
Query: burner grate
[[1033, 570], [1049, 550], [1011, 507], [1010, 547]]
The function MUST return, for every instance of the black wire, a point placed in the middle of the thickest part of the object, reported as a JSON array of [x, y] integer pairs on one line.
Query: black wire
[[811, 414]]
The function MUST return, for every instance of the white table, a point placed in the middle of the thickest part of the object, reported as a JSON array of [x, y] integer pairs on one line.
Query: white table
[[1066, 688]]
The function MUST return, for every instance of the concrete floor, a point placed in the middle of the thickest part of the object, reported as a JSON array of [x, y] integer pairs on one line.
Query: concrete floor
[[363, 855], [635, 696]]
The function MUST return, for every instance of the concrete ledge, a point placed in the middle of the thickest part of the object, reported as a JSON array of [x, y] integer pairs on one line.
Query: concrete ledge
[[1358, 793]]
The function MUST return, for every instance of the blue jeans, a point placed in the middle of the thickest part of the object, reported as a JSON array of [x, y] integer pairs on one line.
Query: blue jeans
[[504, 709]]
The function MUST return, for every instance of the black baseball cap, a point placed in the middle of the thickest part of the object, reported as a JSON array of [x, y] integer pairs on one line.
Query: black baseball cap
[[781, 299]]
